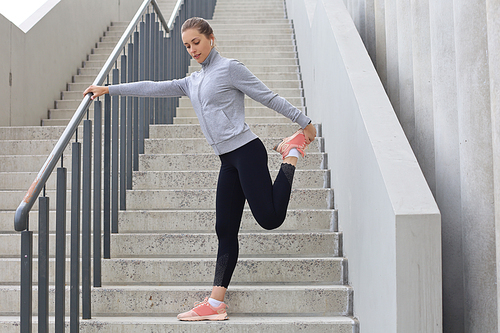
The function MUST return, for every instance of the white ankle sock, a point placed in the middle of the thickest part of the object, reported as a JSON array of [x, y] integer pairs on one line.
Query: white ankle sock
[[293, 152], [215, 303]]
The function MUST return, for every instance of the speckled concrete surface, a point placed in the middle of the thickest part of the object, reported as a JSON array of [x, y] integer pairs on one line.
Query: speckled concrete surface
[[205, 244], [209, 161], [143, 180], [200, 145], [305, 220], [322, 301], [205, 199], [170, 324], [168, 271]]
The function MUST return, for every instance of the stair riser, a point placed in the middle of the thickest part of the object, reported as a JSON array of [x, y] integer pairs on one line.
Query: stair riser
[[194, 221], [201, 271], [22, 181], [10, 200], [31, 133], [232, 325], [27, 163], [208, 179], [29, 147], [255, 43], [210, 161], [196, 271], [240, 325], [194, 131], [205, 199], [204, 221], [151, 146], [261, 300], [258, 244], [325, 301], [200, 145], [185, 245]]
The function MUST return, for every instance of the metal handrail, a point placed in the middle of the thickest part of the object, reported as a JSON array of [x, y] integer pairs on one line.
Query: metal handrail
[[22, 211], [174, 14]]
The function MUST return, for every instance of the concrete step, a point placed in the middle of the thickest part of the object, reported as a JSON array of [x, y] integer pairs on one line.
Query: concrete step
[[209, 161], [225, 21], [194, 131], [29, 147], [224, 29], [165, 245], [241, 324], [264, 49], [10, 200], [227, 43], [27, 163], [55, 122], [158, 221], [7, 221], [22, 181], [316, 300], [200, 145], [144, 180], [30, 133], [205, 199], [269, 244], [170, 300], [155, 131], [181, 271]]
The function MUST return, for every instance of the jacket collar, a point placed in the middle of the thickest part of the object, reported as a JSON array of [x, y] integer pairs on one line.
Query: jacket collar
[[211, 56]]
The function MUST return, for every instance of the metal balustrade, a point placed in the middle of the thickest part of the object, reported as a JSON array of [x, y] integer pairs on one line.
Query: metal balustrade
[[150, 49]]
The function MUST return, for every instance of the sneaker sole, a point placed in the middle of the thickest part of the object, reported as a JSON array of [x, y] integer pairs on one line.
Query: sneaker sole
[[222, 316]]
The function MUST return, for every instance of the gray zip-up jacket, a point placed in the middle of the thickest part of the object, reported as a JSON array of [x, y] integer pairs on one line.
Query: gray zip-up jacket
[[217, 94]]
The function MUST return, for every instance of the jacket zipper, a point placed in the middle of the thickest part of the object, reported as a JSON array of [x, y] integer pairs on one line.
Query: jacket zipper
[[202, 114]]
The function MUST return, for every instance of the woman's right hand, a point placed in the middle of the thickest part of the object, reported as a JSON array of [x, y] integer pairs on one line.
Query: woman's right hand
[[96, 91]]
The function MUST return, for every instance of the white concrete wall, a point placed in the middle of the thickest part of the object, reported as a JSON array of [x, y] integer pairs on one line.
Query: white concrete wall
[[443, 79], [43, 60], [388, 216]]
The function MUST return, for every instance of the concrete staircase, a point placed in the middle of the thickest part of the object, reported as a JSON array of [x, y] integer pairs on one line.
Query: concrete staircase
[[70, 99], [288, 280]]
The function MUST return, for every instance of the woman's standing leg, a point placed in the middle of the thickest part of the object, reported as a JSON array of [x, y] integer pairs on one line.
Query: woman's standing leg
[[230, 202]]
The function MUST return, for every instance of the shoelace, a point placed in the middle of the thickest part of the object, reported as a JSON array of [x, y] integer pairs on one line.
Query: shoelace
[[197, 304]]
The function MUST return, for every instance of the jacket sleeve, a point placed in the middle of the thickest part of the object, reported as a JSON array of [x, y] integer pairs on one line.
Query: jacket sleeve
[[172, 88], [249, 84]]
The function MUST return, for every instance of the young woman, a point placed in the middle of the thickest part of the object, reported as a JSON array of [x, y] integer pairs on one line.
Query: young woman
[[217, 94]]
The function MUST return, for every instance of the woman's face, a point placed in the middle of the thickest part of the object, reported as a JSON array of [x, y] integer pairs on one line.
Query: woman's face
[[197, 45]]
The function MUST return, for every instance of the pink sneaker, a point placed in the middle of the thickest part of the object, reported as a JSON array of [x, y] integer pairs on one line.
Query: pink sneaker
[[204, 311], [297, 140]]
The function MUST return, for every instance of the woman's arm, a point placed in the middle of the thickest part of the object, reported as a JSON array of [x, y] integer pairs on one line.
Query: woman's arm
[[249, 84], [172, 88]]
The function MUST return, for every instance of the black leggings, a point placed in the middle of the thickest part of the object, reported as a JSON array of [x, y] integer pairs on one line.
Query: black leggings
[[244, 174]]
